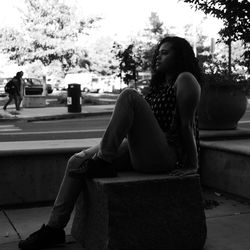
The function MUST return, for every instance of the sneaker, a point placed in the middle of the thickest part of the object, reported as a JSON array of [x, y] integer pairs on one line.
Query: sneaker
[[45, 237], [94, 168]]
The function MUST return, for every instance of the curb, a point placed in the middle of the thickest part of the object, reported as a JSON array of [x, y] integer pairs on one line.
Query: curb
[[65, 116], [56, 117]]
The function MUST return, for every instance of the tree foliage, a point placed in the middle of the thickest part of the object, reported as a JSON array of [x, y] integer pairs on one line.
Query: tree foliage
[[129, 62], [235, 15], [155, 28], [102, 59], [152, 34], [49, 33]]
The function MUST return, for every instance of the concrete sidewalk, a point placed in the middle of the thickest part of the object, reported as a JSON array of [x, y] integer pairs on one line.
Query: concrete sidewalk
[[46, 113], [228, 222]]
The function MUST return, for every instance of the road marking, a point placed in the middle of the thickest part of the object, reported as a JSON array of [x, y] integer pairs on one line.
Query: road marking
[[70, 120], [56, 132], [8, 128], [247, 121]]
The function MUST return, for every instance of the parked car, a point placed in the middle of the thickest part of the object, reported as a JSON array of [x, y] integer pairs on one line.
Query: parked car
[[143, 86], [84, 79], [31, 86], [49, 88], [89, 82], [55, 82], [34, 86], [3, 82]]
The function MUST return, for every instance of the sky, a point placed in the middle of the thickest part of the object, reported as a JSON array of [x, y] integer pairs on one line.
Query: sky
[[127, 17], [131, 15]]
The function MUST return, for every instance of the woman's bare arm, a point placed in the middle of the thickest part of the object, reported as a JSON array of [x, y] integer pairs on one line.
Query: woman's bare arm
[[188, 96]]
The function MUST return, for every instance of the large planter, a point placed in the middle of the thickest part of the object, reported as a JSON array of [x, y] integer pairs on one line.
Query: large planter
[[221, 107]]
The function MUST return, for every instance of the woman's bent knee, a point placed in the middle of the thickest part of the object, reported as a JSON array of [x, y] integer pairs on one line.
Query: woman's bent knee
[[129, 95], [129, 92], [74, 162]]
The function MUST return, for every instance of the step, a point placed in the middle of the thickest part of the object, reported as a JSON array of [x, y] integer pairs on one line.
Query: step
[[225, 165], [230, 134], [27, 165]]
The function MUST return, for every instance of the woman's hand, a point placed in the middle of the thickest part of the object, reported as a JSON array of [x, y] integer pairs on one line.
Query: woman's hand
[[77, 159], [81, 154]]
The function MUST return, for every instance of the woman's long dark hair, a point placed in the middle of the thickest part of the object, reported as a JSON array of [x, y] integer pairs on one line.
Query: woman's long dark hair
[[185, 60]]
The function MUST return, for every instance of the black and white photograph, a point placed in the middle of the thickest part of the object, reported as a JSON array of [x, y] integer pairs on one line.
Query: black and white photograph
[[125, 125]]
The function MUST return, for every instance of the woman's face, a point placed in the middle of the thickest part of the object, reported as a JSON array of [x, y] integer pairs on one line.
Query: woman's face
[[165, 61]]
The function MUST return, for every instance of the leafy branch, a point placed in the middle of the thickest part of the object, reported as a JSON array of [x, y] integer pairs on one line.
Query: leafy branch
[[235, 15], [130, 62]]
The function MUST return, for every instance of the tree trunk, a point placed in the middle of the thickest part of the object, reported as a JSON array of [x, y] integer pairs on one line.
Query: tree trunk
[[229, 56]]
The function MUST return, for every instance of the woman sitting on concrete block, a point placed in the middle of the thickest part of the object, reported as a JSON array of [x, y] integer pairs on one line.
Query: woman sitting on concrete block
[[156, 134]]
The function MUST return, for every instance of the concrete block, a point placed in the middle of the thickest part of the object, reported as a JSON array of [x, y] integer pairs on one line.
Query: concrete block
[[225, 166], [32, 171], [34, 101], [30, 178], [140, 212]]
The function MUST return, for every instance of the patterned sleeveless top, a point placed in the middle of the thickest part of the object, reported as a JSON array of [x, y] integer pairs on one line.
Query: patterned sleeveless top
[[163, 104]]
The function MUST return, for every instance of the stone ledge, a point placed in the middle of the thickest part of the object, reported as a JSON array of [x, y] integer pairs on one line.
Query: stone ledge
[[31, 178], [31, 171], [225, 166], [141, 212], [46, 146], [231, 134], [240, 147]]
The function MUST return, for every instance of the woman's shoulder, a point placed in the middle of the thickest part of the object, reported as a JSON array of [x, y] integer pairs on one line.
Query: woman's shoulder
[[188, 76], [186, 79], [187, 86]]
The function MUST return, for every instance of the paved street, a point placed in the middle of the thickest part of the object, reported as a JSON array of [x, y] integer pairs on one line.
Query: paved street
[[88, 127], [54, 129]]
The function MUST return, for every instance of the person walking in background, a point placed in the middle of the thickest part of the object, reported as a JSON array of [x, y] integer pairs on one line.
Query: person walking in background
[[15, 90], [155, 134], [21, 84]]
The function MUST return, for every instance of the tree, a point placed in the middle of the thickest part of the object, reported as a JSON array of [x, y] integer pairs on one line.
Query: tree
[[195, 35], [130, 62], [155, 29], [236, 20], [13, 43], [145, 46], [50, 32], [102, 59]]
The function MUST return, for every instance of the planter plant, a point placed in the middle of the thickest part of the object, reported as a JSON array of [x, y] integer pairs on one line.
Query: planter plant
[[223, 96], [223, 101], [235, 16]]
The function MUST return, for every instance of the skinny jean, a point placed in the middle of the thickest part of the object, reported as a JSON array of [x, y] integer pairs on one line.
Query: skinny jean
[[133, 139], [17, 98]]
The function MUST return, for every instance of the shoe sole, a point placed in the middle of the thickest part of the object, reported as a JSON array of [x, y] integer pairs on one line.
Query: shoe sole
[[58, 245]]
